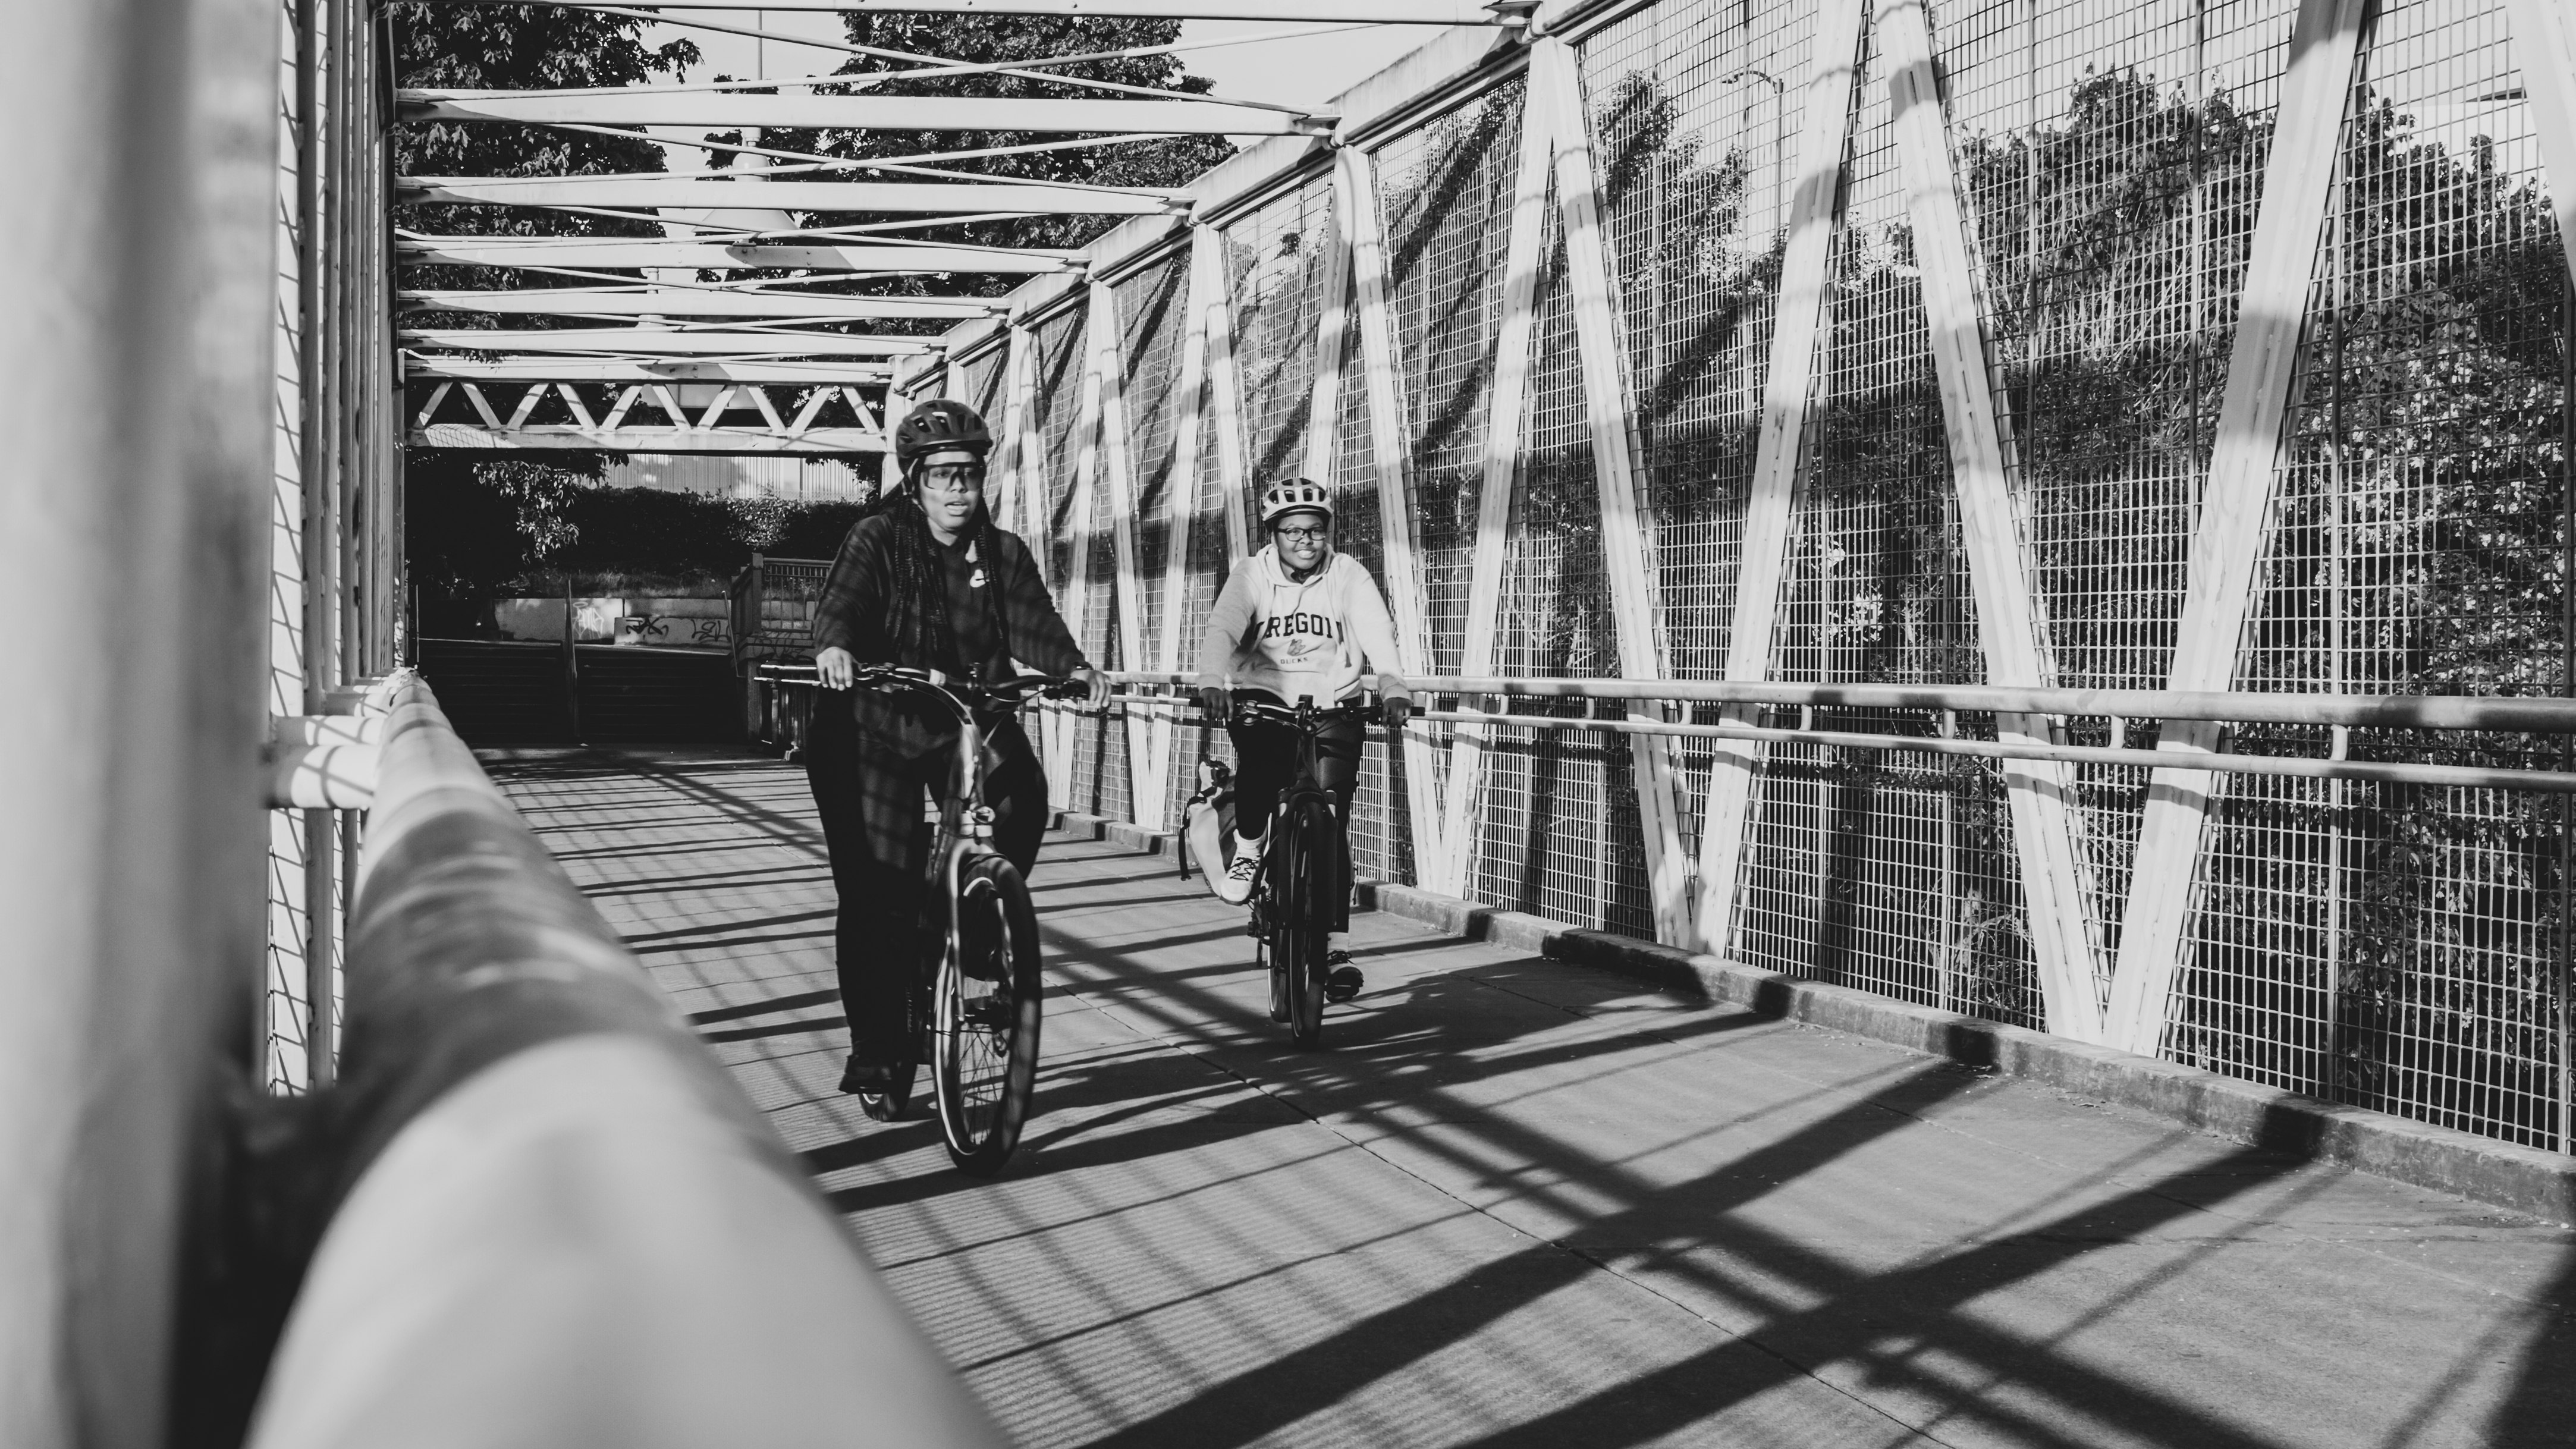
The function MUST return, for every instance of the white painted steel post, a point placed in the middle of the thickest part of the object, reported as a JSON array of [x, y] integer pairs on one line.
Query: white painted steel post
[[1116, 471], [1332, 330], [2010, 625], [137, 298], [2235, 512], [1628, 541], [1174, 645], [1225, 384], [1504, 428], [1391, 459], [1013, 462], [2544, 50], [1077, 588], [1779, 459]]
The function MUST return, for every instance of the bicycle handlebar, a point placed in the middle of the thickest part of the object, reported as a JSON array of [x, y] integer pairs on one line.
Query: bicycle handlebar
[[963, 695], [1302, 716]]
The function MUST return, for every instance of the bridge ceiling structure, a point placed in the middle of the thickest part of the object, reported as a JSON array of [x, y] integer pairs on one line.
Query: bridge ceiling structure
[[709, 287]]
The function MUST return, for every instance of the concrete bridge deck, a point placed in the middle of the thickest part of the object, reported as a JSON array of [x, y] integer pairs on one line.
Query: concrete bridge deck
[[1515, 1202]]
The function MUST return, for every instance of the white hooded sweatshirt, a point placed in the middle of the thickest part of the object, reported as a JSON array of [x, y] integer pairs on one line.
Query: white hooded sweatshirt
[[1292, 639]]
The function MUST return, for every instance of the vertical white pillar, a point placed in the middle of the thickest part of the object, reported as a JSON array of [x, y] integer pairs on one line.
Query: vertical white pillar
[[1502, 455], [1116, 472], [1224, 383], [1355, 197], [2009, 624]]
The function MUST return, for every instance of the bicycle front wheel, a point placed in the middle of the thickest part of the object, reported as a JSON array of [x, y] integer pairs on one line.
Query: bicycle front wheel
[[984, 1019], [1305, 914]]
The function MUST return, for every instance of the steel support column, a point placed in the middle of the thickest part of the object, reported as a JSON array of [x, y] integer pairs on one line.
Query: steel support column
[[1779, 459], [1628, 525], [1115, 470], [2235, 512], [1982, 471], [1504, 427], [1363, 235], [1224, 383]]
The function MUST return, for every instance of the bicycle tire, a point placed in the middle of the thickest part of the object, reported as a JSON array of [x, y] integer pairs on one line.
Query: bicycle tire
[[984, 1025], [1306, 915]]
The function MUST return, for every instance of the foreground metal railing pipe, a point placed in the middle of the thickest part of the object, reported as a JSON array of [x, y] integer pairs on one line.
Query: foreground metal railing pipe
[[558, 1221]]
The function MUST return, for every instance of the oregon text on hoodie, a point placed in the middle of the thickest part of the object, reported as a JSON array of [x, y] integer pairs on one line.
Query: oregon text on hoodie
[[1267, 632]]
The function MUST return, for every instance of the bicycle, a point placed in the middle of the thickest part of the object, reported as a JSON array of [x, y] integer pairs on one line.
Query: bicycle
[[974, 1006], [1294, 907]]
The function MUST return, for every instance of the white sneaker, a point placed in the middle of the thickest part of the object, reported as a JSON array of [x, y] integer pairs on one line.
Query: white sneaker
[[1235, 886]]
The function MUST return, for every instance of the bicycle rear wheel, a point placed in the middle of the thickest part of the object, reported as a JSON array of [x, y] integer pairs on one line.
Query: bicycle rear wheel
[[1305, 915], [984, 1018]]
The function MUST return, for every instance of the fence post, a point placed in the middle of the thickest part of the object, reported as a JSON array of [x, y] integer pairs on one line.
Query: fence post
[[1355, 192], [1502, 455], [1628, 541], [1172, 647], [1077, 523], [1779, 459], [1116, 467], [2010, 624], [2325, 46]]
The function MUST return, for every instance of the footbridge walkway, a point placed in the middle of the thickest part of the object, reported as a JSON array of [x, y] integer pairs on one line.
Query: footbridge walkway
[[1516, 1201]]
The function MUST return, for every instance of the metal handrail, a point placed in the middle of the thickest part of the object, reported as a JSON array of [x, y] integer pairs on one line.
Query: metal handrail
[[2506, 714], [556, 1213], [2403, 711]]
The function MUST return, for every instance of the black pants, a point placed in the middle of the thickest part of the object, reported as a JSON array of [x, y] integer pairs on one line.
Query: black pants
[[868, 789], [1265, 765]]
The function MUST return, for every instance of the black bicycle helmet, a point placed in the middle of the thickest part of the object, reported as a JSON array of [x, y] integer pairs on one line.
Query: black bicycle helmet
[[939, 426]]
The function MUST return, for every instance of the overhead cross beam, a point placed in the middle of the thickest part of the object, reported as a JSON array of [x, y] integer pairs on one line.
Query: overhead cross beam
[[647, 341], [602, 369], [906, 197], [735, 109], [1383, 12], [687, 302], [614, 253]]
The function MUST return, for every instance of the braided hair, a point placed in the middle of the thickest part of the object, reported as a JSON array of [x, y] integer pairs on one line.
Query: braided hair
[[917, 621]]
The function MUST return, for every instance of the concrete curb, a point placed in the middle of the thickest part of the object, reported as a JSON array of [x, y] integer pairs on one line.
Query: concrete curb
[[2521, 1179]]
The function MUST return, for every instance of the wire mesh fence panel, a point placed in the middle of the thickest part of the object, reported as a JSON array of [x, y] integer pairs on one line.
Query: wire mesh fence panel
[[1876, 591], [1151, 305], [980, 384], [289, 1007], [2405, 947], [2111, 158], [1558, 830], [1274, 264], [1697, 109], [1056, 349]]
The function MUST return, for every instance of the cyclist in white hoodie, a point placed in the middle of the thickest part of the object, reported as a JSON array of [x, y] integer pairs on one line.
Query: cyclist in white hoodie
[[1296, 620]]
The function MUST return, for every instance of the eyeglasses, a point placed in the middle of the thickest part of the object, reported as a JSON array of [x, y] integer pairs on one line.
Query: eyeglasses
[[1307, 535], [952, 477]]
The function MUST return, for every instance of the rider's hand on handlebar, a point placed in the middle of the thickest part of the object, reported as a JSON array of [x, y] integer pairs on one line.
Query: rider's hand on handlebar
[[1094, 681], [836, 668], [1216, 702], [1397, 701]]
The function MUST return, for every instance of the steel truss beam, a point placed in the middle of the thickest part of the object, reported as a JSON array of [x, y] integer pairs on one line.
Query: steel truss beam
[[1181, 115], [1779, 460], [2544, 50], [1385, 12], [619, 253], [1504, 425], [1628, 527], [782, 306], [1355, 198], [904, 197], [2325, 47], [723, 442], [1115, 469], [645, 340], [585, 369], [2010, 629]]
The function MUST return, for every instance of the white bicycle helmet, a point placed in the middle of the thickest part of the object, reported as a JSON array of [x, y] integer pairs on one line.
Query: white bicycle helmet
[[1295, 495]]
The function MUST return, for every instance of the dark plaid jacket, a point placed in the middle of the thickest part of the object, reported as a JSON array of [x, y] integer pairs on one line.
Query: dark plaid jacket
[[1022, 622]]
